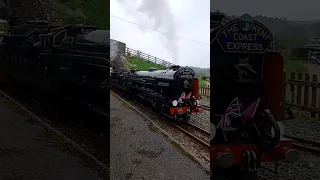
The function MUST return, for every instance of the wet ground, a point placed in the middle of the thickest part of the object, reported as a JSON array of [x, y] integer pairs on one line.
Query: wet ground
[[139, 151], [29, 151]]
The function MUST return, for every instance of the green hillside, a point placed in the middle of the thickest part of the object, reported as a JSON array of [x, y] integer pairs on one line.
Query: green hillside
[[143, 65], [80, 11], [294, 65]]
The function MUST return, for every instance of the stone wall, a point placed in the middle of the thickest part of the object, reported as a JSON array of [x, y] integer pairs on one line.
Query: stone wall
[[33, 9]]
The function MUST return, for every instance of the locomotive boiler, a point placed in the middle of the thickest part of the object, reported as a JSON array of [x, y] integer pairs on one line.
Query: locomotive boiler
[[173, 92], [247, 85]]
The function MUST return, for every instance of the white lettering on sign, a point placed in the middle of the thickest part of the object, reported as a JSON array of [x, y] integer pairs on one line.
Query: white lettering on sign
[[230, 30], [245, 37], [244, 46], [262, 32], [255, 28], [186, 76]]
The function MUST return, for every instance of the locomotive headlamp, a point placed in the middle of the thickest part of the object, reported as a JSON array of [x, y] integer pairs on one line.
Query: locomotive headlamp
[[291, 156], [175, 103]]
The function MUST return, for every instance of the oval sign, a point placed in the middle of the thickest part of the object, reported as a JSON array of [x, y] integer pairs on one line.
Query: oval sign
[[244, 35], [185, 73]]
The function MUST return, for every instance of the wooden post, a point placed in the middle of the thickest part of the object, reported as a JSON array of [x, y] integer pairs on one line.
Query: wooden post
[[292, 77], [299, 94], [314, 95], [306, 90]]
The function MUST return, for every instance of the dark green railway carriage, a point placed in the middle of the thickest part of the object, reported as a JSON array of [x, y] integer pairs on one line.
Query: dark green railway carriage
[[72, 59]]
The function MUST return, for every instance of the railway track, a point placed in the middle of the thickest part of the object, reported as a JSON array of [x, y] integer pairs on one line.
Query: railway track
[[305, 144], [200, 135], [206, 107]]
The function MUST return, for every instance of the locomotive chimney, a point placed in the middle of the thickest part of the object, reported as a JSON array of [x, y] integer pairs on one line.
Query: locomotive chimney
[[175, 67]]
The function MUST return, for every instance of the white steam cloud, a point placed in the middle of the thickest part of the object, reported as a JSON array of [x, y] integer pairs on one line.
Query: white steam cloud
[[160, 15]]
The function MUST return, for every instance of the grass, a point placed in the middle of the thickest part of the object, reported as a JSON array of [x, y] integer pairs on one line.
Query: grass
[[143, 65], [294, 65], [82, 11], [202, 82]]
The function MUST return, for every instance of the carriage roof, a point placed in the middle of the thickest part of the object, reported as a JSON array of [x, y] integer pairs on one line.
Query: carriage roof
[[95, 37]]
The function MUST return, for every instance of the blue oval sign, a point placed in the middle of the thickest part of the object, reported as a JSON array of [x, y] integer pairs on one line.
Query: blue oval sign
[[244, 35], [185, 73]]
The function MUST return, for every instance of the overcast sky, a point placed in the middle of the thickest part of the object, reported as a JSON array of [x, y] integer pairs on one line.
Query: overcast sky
[[184, 18], [302, 10]]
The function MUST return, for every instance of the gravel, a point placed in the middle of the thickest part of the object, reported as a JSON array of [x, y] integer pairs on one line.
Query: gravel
[[303, 127], [308, 167], [205, 102], [202, 119]]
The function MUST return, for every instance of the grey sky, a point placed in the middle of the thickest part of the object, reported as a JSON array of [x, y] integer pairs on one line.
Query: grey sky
[[302, 10], [185, 18]]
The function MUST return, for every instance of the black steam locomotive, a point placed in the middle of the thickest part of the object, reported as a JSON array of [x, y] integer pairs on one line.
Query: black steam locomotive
[[67, 62], [172, 92]]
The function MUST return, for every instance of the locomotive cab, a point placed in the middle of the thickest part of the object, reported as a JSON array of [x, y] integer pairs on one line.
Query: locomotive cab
[[246, 94]]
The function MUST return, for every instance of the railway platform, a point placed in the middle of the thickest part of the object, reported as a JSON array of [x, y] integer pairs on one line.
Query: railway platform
[[139, 151], [30, 151]]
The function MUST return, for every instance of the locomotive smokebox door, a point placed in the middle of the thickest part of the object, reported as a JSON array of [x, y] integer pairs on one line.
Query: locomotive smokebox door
[[238, 61], [273, 82]]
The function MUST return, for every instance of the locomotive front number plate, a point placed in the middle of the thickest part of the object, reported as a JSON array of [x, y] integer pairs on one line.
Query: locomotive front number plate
[[244, 35]]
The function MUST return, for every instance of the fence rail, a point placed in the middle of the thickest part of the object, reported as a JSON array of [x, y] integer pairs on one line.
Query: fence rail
[[301, 92], [136, 53], [204, 91]]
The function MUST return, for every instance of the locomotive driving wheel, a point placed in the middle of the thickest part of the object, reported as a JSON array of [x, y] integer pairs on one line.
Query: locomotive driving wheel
[[178, 119]]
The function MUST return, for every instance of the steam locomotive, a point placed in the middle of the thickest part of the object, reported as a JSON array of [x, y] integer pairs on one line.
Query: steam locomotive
[[247, 85], [172, 92], [67, 62]]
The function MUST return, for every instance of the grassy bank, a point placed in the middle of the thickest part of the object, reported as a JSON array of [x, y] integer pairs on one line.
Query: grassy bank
[[143, 65], [81, 11], [294, 65]]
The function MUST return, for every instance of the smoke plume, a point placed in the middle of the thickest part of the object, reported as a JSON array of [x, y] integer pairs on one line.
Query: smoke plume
[[117, 55], [159, 13]]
